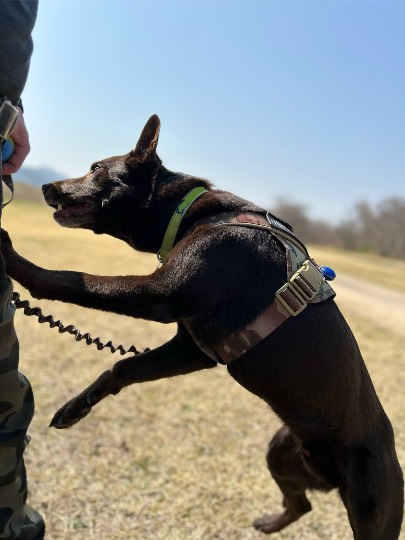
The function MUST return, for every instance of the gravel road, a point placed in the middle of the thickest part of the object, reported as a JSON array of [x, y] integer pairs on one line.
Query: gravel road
[[384, 307]]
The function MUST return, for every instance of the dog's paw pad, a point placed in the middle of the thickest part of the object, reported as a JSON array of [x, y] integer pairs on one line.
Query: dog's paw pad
[[70, 414]]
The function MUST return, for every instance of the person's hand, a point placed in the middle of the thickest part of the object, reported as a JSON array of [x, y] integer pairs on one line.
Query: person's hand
[[19, 135]]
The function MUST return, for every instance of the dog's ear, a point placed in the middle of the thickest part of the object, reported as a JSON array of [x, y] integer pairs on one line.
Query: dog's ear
[[145, 149]]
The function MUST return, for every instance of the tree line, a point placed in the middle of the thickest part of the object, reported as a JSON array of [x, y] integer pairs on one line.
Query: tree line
[[379, 229]]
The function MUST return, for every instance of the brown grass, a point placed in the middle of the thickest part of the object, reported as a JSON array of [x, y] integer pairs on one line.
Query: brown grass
[[177, 459]]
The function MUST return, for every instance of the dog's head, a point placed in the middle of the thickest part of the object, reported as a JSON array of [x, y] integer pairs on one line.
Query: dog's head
[[111, 187]]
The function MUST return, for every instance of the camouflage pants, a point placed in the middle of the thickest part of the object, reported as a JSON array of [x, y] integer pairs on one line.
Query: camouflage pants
[[17, 519]]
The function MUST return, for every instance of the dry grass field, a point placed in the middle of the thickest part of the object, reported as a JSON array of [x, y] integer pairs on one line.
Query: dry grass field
[[178, 459]]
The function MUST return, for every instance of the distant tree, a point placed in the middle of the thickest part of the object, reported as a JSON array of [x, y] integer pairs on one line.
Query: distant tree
[[380, 229], [347, 233], [368, 231], [308, 230], [390, 239]]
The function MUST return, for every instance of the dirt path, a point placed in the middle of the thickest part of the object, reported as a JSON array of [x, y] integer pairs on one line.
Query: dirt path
[[384, 307]]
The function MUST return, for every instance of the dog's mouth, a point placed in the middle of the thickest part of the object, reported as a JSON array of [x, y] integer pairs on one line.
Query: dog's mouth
[[67, 213]]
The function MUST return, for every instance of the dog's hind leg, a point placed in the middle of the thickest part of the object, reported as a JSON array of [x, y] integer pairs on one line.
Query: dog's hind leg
[[285, 459], [373, 492]]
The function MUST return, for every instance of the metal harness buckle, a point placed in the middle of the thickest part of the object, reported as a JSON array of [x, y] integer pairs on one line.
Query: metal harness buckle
[[302, 288]]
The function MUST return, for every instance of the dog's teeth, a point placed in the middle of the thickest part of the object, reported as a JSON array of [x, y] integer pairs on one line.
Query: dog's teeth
[[60, 207], [103, 203]]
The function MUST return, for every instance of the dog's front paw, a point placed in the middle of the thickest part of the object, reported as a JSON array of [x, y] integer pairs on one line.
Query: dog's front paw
[[6, 246], [6, 240], [72, 412], [11, 258]]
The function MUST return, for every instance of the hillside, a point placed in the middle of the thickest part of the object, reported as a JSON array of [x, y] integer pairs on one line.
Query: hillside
[[26, 192], [38, 176], [29, 180]]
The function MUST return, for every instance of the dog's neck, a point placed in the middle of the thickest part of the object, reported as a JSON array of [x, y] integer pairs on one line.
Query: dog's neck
[[144, 228]]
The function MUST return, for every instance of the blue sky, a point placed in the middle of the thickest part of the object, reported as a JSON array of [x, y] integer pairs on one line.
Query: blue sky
[[302, 100]]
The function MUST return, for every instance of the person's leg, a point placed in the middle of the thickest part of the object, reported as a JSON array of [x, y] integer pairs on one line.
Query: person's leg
[[17, 519]]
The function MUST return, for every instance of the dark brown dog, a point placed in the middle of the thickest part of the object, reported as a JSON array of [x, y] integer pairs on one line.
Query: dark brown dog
[[216, 280]]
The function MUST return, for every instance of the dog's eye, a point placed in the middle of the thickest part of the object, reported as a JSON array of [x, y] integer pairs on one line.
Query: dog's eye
[[95, 167]]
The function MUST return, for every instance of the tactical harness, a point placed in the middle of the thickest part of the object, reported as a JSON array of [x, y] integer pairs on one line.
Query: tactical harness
[[305, 284]]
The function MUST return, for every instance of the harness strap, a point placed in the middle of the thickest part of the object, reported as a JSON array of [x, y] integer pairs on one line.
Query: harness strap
[[305, 284], [260, 222]]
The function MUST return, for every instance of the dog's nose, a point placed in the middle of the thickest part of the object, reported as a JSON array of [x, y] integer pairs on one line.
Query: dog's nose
[[49, 191], [47, 187]]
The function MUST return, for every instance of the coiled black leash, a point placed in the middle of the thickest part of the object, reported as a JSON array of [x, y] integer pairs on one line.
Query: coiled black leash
[[70, 329]]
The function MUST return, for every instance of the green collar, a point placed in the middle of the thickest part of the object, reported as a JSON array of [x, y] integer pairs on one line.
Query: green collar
[[174, 224]]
